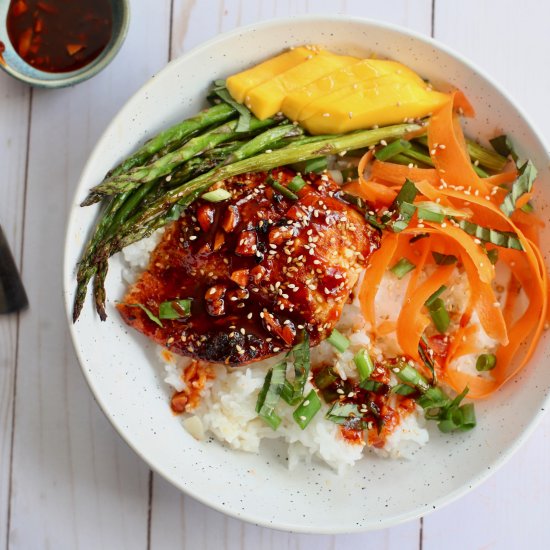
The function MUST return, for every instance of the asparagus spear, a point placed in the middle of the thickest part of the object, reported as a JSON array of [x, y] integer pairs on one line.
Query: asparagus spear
[[263, 141], [164, 165], [489, 159], [116, 213], [169, 206], [214, 115], [138, 226]]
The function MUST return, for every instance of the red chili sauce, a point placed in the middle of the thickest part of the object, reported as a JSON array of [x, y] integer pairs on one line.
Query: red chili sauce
[[59, 36]]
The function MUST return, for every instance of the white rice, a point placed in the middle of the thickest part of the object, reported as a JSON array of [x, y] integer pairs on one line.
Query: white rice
[[227, 405]]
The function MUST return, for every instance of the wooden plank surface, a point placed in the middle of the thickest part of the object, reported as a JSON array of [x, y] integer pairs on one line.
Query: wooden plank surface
[[75, 484], [69, 481], [509, 42], [14, 125]]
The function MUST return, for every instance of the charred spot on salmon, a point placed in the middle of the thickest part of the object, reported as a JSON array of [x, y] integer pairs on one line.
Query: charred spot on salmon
[[259, 268]]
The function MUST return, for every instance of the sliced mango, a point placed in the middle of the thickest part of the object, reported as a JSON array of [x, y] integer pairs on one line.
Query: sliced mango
[[266, 99], [328, 93], [239, 84], [365, 69], [391, 101]]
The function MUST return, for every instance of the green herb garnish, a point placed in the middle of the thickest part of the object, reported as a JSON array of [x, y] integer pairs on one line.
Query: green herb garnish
[[402, 267], [175, 309], [218, 195], [486, 361], [339, 341], [307, 409]]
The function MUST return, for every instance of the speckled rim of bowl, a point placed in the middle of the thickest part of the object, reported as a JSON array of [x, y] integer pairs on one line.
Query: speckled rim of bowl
[[16, 67], [68, 290]]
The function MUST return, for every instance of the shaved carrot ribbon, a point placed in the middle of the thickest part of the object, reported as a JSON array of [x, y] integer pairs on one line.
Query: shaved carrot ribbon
[[454, 184]]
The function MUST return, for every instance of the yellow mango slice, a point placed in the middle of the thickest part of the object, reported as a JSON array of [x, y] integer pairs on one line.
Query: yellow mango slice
[[390, 101], [366, 69], [239, 84], [266, 99]]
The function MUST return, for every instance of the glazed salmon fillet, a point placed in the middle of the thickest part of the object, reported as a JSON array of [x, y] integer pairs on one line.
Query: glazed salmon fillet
[[259, 268]]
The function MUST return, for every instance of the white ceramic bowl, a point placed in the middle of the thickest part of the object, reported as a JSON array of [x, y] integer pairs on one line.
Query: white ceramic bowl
[[120, 367]]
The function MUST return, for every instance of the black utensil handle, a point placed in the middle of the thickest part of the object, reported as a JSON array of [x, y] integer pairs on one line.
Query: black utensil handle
[[12, 294]]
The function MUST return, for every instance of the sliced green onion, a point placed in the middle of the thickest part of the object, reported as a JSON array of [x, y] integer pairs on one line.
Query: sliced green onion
[[468, 417], [403, 389], [458, 419], [307, 409], [504, 146], [429, 215], [435, 295], [364, 364], [505, 239], [486, 361], [325, 377], [283, 190], [408, 374], [270, 394], [175, 309], [439, 315], [407, 193], [432, 398], [147, 311], [372, 385], [296, 184], [218, 195], [444, 259], [394, 148], [317, 165], [339, 341], [340, 413], [405, 211], [523, 184], [402, 267]]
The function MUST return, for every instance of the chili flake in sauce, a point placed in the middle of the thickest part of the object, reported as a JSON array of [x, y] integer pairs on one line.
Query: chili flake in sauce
[[59, 36]]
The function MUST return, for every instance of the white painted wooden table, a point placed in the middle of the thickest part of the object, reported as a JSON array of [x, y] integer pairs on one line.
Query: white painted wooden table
[[67, 480]]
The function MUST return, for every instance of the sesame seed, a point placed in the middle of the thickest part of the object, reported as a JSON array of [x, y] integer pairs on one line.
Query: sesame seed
[[192, 237], [340, 391]]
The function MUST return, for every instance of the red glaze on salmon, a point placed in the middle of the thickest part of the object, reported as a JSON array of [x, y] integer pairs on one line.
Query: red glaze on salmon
[[259, 268]]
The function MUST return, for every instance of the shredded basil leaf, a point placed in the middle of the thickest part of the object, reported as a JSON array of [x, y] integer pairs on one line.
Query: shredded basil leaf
[[175, 309], [340, 413], [403, 389], [444, 259], [269, 395], [505, 239], [245, 116], [293, 392], [147, 311], [503, 146], [523, 184]]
